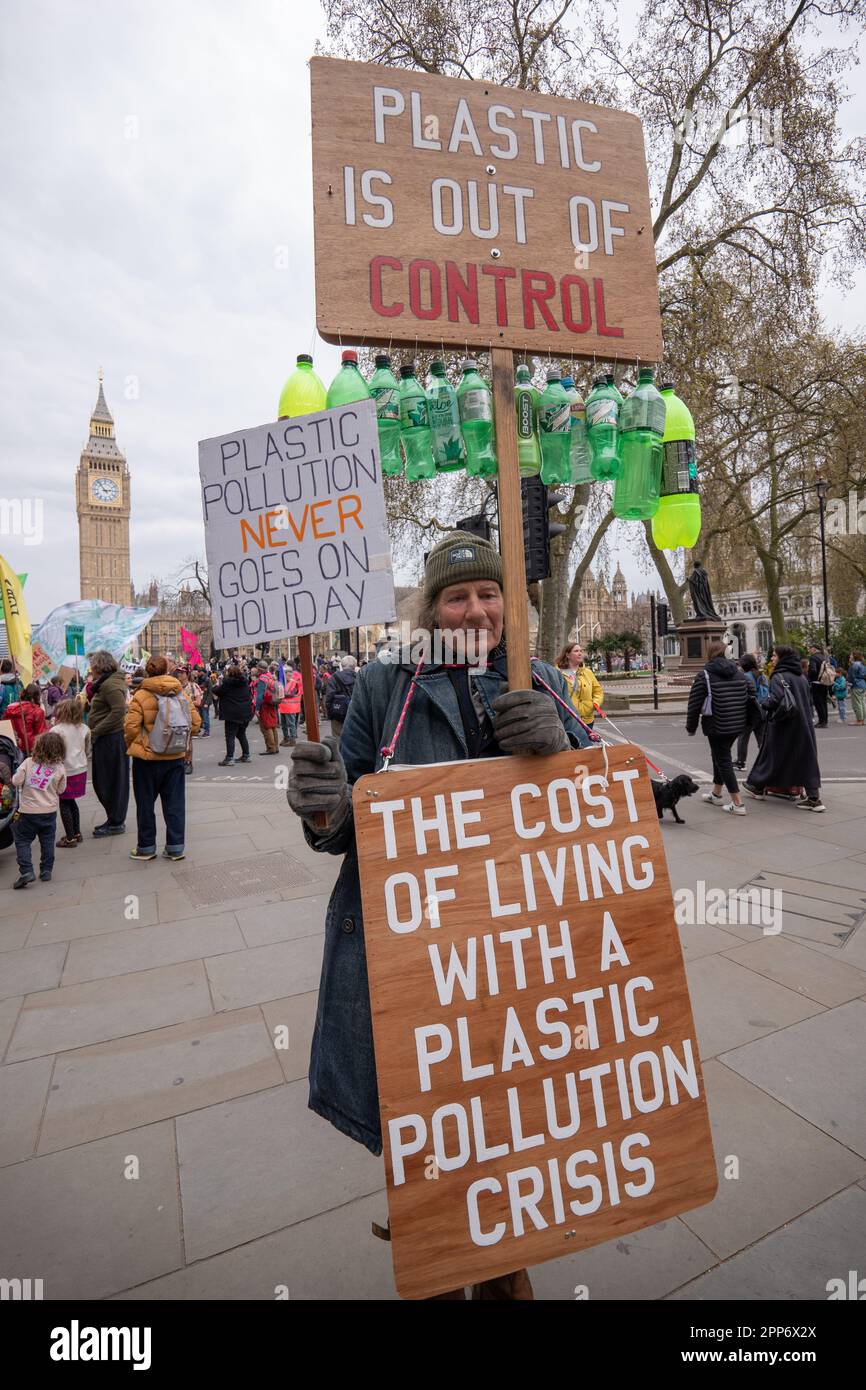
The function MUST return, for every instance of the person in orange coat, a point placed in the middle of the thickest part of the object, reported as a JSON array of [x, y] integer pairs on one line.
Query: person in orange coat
[[27, 718], [290, 708]]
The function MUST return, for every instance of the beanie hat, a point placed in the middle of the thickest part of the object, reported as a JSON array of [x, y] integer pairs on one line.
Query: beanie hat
[[460, 556]]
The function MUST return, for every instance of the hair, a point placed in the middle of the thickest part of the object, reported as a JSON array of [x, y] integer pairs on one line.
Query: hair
[[748, 662], [856, 656], [5, 666], [68, 712], [716, 648], [233, 673], [783, 651], [156, 666], [102, 663], [31, 693], [348, 663], [49, 748], [562, 659]]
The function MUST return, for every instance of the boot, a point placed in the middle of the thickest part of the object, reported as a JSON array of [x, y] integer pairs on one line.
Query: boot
[[507, 1288]]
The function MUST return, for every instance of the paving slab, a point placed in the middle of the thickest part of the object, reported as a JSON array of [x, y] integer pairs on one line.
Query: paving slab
[[704, 940], [222, 854], [793, 965], [173, 905], [644, 1264], [296, 1016], [75, 1015], [845, 832], [14, 931], [790, 852], [120, 953], [23, 1088], [783, 1165], [239, 877], [254, 1165], [74, 1220], [733, 1005], [9, 1011], [31, 968], [142, 878], [816, 1068], [266, 972], [283, 920], [135, 1081], [53, 894], [92, 919], [794, 1263]]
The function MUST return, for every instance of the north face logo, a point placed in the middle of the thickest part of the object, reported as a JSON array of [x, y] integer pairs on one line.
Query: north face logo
[[463, 552]]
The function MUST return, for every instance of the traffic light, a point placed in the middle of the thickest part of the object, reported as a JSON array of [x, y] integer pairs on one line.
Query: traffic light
[[538, 529], [345, 639], [662, 619], [477, 525], [264, 648]]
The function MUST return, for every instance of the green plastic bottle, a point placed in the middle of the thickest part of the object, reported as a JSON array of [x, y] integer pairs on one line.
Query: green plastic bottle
[[554, 427], [579, 449], [678, 519], [348, 385], [475, 403], [602, 419], [303, 393], [526, 406], [415, 434], [611, 381], [642, 425], [385, 391], [449, 451]]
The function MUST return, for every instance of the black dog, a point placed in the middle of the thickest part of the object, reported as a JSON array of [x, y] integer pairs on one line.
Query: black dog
[[667, 794]]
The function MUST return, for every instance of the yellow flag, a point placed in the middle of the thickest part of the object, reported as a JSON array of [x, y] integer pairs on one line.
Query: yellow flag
[[17, 622]]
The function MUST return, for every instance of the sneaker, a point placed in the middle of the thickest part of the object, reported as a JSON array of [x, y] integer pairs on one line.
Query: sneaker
[[102, 831], [713, 799], [734, 810], [246, 758], [23, 879], [45, 877], [226, 762], [810, 803], [753, 791], [166, 855], [741, 767], [142, 853]]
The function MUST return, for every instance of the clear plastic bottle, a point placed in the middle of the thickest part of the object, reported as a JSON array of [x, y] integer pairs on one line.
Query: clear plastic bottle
[[602, 419], [415, 434], [449, 450], [642, 425], [303, 393], [475, 402], [385, 391], [554, 428], [579, 450], [526, 406]]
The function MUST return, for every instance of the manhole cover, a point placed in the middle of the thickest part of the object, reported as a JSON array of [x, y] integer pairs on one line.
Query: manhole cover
[[220, 883]]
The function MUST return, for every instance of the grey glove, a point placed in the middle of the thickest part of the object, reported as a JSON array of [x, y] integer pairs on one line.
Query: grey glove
[[527, 722], [317, 781]]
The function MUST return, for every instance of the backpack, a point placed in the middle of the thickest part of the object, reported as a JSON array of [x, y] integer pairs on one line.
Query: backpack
[[826, 674], [787, 706], [339, 699], [762, 687], [172, 726]]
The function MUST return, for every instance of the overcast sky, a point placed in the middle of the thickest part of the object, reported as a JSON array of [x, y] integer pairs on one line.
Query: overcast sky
[[156, 177]]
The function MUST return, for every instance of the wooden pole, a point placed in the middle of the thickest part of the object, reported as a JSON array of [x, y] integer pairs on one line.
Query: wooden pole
[[511, 521]]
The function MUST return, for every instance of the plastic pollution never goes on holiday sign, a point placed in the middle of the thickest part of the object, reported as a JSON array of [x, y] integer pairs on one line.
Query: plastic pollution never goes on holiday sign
[[457, 212], [539, 1080], [295, 528]]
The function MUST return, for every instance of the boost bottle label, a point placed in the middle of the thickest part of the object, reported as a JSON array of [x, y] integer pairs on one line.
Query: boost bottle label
[[524, 415]]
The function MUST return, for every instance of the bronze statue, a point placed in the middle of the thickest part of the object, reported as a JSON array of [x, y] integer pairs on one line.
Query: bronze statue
[[702, 599]]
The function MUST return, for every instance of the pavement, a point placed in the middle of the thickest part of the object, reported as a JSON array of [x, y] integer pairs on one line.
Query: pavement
[[156, 1143]]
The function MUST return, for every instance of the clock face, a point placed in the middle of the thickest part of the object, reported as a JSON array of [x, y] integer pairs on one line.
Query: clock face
[[104, 490]]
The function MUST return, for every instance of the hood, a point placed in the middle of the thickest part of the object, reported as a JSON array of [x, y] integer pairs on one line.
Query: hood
[[8, 677], [790, 665], [722, 668], [161, 685]]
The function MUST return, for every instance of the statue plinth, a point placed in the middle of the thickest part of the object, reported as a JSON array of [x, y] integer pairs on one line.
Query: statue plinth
[[695, 636]]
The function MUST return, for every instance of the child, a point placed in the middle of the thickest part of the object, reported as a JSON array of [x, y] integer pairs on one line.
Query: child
[[69, 725], [840, 691], [27, 717], [41, 778]]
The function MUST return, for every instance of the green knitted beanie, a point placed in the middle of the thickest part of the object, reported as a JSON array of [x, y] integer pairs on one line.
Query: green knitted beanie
[[460, 556]]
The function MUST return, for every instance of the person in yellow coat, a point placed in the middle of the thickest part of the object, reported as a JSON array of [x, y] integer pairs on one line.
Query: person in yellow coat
[[581, 680]]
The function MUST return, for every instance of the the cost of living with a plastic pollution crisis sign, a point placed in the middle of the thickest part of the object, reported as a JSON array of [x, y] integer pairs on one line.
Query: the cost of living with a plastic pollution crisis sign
[[456, 212]]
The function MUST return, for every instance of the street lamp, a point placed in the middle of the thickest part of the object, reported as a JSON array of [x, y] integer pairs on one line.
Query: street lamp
[[822, 488]]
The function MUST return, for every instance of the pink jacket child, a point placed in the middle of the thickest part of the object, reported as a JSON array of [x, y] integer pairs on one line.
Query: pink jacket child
[[41, 779]]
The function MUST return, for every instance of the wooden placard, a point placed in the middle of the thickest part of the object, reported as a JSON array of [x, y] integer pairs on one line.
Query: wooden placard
[[457, 212], [539, 1080]]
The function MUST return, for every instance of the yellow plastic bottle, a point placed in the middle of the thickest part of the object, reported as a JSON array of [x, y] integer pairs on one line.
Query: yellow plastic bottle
[[303, 393]]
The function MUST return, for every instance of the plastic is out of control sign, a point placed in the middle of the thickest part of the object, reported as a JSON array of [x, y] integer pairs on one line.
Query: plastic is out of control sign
[[449, 211], [539, 1081]]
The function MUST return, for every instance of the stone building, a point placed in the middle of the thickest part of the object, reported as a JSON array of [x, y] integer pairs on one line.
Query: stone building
[[102, 499], [602, 611]]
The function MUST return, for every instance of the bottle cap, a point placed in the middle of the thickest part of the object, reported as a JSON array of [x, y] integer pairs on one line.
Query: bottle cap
[[553, 374], [609, 379], [305, 357], [666, 386], [568, 382], [408, 369], [350, 355], [437, 367], [647, 374], [599, 381], [469, 364], [383, 360]]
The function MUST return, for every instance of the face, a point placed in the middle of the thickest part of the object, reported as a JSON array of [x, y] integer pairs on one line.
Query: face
[[575, 656], [472, 606]]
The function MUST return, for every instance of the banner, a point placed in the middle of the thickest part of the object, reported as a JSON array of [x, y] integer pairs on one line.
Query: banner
[[42, 663], [539, 1079], [107, 626], [18, 633]]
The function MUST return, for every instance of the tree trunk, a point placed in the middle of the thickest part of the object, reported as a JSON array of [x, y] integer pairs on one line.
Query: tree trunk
[[580, 573], [673, 589]]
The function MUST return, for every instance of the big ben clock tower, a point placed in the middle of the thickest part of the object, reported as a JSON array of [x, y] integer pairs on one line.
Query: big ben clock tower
[[102, 501]]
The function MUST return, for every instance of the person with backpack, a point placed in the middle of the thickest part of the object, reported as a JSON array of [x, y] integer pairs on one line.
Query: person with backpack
[[840, 692], [338, 694], [857, 681], [10, 685], [159, 724], [760, 688], [720, 698], [290, 708], [787, 764], [821, 676]]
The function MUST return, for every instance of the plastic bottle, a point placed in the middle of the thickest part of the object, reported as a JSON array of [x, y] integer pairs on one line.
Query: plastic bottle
[[449, 450], [611, 382], [475, 403], [526, 406], [579, 450], [602, 419], [642, 425], [303, 393], [385, 391], [554, 427], [678, 519], [348, 385], [415, 434]]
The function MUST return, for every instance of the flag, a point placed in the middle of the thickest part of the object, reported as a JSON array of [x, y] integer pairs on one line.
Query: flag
[[281, 674], [189, 643], [17, 622]]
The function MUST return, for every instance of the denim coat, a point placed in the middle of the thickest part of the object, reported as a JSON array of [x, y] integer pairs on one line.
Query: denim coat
[[342, 1062]]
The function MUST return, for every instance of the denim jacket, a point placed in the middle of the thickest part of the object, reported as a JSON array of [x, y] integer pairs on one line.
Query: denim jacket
[[342, 1062]]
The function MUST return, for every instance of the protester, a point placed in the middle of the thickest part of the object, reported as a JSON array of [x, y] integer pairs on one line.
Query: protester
[[821, 677], [585, 692], [41, 779], [290, 707], [205, 685], [27, 717], [267, 707], [236, 711], [760, 689], [191, 693], [840, 692], [453, 715], [70, 727], [52, 696], [109, 765], [788, 760], [157, 743], [338, 694], [720, 698], [857, 680], [10, 685]]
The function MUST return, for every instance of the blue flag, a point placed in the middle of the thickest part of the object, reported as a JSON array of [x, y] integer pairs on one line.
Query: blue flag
[[281, 674]]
